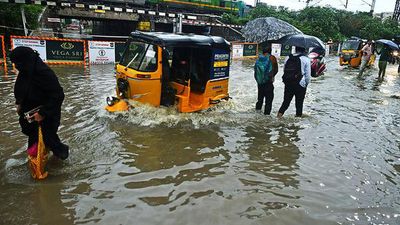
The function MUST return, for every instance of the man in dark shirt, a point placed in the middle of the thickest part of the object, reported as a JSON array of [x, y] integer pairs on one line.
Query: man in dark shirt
[[383, 60]]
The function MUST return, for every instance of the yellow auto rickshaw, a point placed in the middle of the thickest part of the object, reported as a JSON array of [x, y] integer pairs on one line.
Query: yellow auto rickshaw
[[188, 71], [351, 53]]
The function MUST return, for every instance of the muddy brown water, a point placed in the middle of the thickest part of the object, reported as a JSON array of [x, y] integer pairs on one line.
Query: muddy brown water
[[339, 164]]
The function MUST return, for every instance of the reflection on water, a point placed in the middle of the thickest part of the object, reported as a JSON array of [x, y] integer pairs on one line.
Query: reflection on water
[[227, 165]]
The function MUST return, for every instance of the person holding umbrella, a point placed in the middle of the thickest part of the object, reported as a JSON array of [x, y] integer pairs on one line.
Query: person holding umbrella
[[297, 71], [383, 60], [296, 77], [388, 46]]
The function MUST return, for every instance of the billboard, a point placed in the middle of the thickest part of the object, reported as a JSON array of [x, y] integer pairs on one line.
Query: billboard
[[65, 51], [276, 50], [237, 51], [53, 50], [101, 52], [35, 44], [250, 50], [286, 50]]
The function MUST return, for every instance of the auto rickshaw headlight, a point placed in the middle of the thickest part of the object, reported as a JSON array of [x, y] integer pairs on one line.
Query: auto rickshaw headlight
[[111, 100], [395, 53]]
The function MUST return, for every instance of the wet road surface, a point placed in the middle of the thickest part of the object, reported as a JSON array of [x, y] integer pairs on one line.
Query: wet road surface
[[339, 164]]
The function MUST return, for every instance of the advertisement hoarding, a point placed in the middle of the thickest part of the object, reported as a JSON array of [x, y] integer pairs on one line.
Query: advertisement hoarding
[[65, 51], [35, 44], [101, 52]]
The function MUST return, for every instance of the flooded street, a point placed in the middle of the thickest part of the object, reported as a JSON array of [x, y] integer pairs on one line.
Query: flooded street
[[339, 164]]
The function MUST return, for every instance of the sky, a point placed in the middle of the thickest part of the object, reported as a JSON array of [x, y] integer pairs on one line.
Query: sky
[[354, 5]]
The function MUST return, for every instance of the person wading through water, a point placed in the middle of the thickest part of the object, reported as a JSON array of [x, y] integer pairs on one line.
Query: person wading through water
[[38, 86], [264, 72], [296, 77]]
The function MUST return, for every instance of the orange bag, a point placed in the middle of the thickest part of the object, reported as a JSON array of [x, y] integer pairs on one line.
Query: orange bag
[[38, 163]]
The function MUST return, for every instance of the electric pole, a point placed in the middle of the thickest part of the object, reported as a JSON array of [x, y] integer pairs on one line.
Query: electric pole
[[396, 13], [373, 7]]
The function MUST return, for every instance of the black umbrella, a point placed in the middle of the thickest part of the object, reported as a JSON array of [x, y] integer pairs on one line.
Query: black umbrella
[[389, 43], [302, 40], [267, 28]]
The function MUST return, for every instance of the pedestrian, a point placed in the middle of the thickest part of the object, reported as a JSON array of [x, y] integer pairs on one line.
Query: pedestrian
[[296, 77], [383, 61], [366, 56], [263, 74], [37, 86]]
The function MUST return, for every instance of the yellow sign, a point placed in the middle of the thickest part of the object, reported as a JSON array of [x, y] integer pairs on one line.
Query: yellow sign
[[100, 11], [144, 26], [221, 64]]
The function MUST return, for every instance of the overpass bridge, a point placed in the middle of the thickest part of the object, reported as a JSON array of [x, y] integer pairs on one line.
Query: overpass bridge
[[120, 18]]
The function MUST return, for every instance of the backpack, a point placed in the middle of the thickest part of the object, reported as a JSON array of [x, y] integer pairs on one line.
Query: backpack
[[292, 70], [262, 68]]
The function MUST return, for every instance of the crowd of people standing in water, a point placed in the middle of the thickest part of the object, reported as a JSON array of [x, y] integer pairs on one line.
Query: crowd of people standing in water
[[297, 75]]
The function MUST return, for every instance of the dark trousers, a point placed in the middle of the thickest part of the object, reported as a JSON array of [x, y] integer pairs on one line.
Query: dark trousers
[[265, 91], [293, 89]]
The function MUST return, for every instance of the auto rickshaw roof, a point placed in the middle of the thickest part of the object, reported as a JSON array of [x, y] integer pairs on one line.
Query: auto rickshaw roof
[[180, 40]]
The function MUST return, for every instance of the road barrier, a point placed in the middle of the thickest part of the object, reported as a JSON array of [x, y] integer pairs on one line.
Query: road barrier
[[3, 52]]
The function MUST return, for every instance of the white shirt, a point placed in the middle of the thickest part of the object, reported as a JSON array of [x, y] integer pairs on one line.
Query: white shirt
[[305, 69]]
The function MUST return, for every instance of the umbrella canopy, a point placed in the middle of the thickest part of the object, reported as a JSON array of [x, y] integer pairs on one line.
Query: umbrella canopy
[[267, 28], [302, 40], [389, 43]]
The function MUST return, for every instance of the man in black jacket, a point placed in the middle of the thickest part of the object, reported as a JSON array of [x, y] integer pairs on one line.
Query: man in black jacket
[[38, 86]]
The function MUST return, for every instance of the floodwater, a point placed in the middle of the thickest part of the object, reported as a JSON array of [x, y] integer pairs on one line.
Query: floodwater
[[339, 164]]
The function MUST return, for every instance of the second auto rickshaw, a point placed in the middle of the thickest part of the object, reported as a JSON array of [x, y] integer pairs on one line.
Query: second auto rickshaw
[[351, 54]]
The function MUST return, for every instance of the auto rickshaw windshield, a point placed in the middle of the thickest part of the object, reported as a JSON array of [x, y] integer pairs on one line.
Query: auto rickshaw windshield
[[351, 45], [140, 56]]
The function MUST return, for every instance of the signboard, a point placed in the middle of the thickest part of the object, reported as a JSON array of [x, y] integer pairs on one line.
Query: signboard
[[276, 50], [35, 44], [65, 51], [286, 50], [250, 50], [53, 20], [220, 64], [119, 50], [237, 51], [101, 52]]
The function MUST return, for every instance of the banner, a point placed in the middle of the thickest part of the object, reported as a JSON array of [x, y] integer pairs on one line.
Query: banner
[[276, 50], [250, 50], [65, 51], [220, 64], [35, 44], [101, 52], [237, 51], [286, 50], [119, 50]]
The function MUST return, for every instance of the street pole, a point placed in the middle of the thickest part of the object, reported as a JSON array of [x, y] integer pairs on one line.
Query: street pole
[[373, 7], [24, 20]]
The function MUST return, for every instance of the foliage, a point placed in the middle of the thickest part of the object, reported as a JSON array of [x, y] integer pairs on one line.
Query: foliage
[[10, 16], [328, 23]]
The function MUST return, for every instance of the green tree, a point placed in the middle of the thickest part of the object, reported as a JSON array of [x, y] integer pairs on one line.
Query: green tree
[[10, 16]]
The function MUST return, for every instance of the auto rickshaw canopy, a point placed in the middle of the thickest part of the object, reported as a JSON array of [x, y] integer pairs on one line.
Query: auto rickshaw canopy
[[180, 40]]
